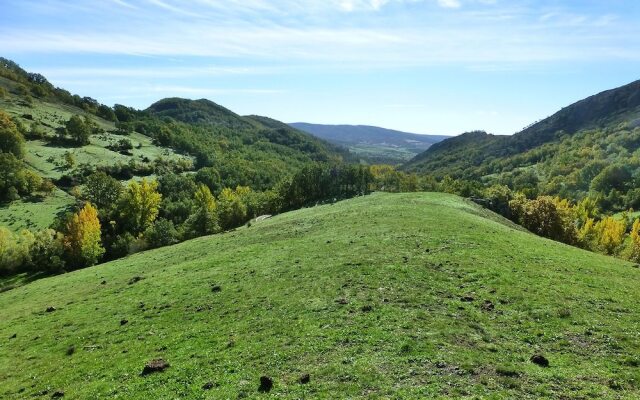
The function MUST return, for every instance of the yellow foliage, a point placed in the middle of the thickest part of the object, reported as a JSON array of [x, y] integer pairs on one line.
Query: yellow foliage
[[610, 233], [139, 205], [635, 241], [82, 239]]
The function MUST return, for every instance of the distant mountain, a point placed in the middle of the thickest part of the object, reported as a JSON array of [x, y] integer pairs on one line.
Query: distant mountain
[[372, 142]]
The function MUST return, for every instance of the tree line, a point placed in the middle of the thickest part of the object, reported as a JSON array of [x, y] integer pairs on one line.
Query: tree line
[[111, 219]]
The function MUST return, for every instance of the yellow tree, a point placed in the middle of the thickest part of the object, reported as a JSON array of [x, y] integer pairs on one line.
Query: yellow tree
[[204, 219], [139, 205], [635, 241], [231, 210], [82, 239], [610, 233]]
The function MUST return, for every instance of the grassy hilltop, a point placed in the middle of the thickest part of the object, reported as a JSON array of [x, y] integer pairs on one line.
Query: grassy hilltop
[[383, 296]]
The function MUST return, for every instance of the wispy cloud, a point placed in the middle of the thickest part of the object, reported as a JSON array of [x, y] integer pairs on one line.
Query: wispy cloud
[[481, 31]]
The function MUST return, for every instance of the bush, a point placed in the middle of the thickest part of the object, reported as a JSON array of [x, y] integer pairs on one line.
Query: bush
[[47, 251], [546, 216], [14, 252], [161, 233]]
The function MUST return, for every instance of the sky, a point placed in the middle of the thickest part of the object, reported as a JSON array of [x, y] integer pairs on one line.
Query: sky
[[424, 66]]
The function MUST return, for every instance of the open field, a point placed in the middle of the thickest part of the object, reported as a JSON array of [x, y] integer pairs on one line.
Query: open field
[[418, 295], [35, 215]]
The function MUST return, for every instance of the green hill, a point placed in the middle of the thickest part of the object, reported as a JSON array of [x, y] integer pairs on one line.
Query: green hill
[[373, 143], [588, 148], [417, 295], [172, 136]]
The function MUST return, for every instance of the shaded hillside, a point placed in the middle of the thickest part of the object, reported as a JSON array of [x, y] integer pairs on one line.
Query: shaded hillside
[[371, 142], [433, 297]]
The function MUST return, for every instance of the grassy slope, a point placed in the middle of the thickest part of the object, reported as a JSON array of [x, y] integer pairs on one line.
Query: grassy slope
[[48, 160], [36, 214], [411, 257]]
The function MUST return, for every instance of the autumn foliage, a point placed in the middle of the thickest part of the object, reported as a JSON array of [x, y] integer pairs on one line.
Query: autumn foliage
[[82, 239]]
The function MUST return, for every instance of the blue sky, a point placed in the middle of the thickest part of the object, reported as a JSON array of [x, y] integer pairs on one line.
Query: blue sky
[[426, 66]]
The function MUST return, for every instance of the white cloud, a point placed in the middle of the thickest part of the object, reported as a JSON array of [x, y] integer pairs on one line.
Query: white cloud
[[449, 3]]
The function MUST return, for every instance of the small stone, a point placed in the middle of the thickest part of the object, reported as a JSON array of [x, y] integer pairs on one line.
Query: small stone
[[135, 279], [540, 360], [266, 384], [487, 305], [157, 365]]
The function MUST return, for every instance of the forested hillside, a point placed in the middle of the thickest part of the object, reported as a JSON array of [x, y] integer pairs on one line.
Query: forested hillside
[[81, 182], [587, 149]]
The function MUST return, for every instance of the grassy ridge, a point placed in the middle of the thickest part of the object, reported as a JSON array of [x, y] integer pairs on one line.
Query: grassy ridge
[[405, 295]]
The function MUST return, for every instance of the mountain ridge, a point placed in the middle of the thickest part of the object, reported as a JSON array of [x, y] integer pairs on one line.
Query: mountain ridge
[[399, 146]]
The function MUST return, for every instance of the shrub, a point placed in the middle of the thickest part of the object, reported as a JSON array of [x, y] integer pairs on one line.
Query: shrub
[[47, 251], [546, 216], [161, 233], [14, 252], [11, 140]]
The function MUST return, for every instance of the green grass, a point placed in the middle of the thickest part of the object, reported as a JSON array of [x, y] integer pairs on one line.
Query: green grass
[[395, 154], [365, 295], [48, 160], [34, 214]]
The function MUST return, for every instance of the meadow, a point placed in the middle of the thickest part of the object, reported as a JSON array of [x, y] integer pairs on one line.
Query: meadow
[[418, 295]]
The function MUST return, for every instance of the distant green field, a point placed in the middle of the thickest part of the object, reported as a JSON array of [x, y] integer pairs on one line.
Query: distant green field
[[417, 295], [34, 215], [48, 160], [390, 153]]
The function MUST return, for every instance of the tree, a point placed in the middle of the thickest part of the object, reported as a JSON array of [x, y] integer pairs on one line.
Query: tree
[[78, 129], [231, 210], [546, 216], [11, 140], [634, 251], [14, 252], [82, 238], [102, 190], [69, 160], [139, 205], [610, 233], [11, 176], [161, 233], [204, 218], [46, 251]]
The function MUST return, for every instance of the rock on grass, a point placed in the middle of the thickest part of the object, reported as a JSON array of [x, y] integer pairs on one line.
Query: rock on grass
[[157, 365], [266, 384], [540, 360]]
